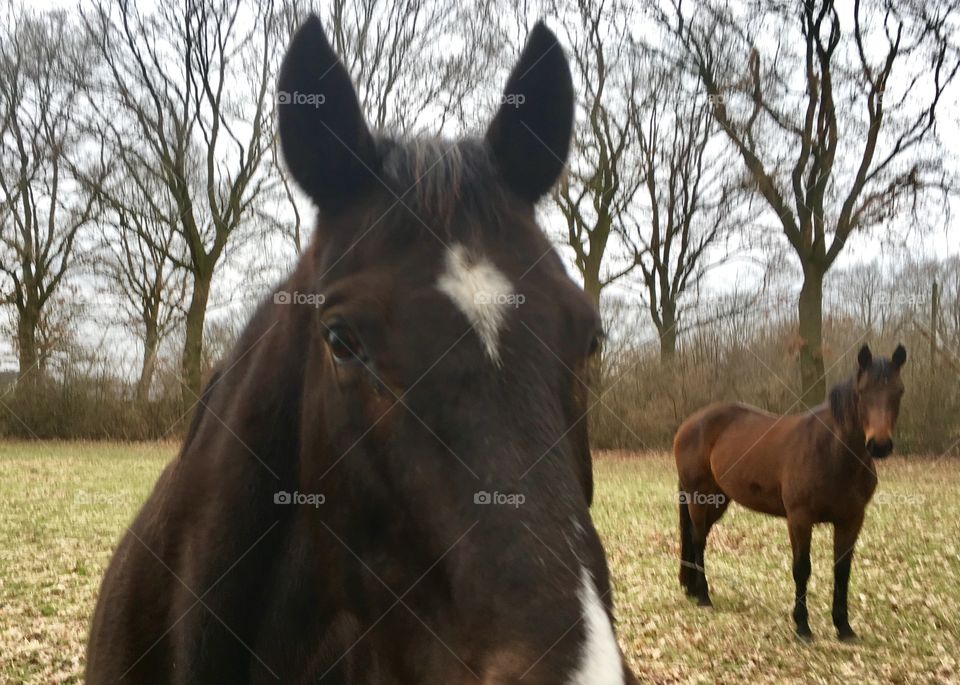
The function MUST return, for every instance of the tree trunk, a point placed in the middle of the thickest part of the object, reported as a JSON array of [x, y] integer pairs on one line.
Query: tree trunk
[[592, 287], [668, 332], [810, 317], [150, 343], [193, 343], [28, 354], [591, 284]]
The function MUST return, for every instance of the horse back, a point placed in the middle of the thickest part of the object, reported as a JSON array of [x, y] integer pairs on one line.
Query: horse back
[[738, 450], [700, 431]]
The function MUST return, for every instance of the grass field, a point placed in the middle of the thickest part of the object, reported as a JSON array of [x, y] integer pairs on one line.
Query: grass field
[[64, 505]]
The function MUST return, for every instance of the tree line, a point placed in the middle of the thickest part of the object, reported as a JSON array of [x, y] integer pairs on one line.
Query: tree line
[[139, 162]]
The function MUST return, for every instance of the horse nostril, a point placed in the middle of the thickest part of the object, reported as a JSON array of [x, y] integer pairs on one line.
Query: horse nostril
[[879, 449]]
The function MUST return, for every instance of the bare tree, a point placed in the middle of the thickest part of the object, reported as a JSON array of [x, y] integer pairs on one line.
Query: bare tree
[[688, 208], [412, 61], [834, 116], [41, 63], [863, 295], [138, 256], [951, 304], [415, 64], [603, 177], [185, 107]]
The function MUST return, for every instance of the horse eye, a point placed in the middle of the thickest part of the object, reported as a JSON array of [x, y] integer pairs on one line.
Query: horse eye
[[344, 345], [595, 342]]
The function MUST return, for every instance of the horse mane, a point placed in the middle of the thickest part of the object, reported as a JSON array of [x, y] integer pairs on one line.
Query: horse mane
[[843, 404], [440, 180]]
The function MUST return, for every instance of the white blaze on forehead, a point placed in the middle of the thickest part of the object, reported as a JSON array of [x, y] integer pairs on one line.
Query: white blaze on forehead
[[599, 657], [480, 291]]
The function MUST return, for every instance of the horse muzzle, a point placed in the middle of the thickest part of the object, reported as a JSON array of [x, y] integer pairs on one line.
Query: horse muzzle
[[879, 449]]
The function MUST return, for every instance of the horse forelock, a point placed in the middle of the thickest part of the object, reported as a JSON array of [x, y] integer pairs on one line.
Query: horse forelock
[[451, 187], [883, 369]]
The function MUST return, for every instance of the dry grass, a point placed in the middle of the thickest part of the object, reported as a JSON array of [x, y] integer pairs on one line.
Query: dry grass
[[904, 594], [65, 504]]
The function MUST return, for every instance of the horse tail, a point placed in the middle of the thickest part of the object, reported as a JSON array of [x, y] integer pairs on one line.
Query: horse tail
[[687, 562]]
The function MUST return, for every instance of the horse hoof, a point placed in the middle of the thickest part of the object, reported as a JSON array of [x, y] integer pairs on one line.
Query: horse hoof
[[848, 636], [704, 602], [804, 635]]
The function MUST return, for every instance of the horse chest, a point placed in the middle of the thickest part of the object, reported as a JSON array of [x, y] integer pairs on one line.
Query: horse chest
[[866, 485], [846, 501]]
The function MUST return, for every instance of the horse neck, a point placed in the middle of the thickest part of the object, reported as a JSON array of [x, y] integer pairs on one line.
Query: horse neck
[[853, 443], [844, 414]]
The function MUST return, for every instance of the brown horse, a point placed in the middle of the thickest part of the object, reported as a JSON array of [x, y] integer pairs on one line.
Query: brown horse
[[330, 517], [814, 467]]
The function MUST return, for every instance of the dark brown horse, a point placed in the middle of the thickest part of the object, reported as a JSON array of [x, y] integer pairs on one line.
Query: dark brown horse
[[814, 467], [389, 480]]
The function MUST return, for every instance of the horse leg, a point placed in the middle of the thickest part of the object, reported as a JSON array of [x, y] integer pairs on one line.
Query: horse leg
[[714, 511], [701, 588], [800, 530], [688, 566], [844, 540], [700, 529]]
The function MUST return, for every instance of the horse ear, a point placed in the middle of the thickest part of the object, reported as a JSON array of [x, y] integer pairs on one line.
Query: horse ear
[[899, 357], [325, 140], [864, 358], [530, 135]]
